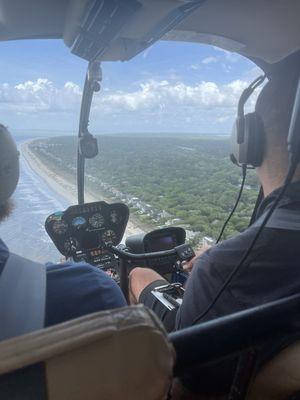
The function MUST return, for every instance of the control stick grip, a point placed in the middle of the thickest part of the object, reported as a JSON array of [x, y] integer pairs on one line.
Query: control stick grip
[[185, 252]]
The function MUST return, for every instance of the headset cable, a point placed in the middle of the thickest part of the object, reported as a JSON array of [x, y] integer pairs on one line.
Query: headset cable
[[244, 174]]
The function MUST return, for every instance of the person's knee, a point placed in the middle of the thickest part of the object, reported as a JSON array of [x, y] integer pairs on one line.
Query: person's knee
[[136, 273], [139, 278], [135, 285]]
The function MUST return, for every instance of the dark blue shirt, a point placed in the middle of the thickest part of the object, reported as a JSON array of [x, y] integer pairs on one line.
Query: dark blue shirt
[[75, 289], [271, 272]]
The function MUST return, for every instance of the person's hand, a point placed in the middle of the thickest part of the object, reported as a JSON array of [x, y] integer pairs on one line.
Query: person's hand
[[188, 265]]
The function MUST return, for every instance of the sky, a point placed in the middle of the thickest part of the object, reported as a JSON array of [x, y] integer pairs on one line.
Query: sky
[[171, 87]]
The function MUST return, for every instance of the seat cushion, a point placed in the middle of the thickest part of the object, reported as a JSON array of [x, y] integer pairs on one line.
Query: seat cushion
[[123, 353], [279, 378]]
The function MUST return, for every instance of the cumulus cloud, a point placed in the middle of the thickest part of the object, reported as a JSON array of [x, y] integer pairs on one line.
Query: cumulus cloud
[[39, 96], [169, 101], [152, 94], [209, 60]]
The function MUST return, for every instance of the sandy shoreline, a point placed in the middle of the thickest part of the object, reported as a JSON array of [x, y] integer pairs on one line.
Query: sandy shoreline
[[63, 187]]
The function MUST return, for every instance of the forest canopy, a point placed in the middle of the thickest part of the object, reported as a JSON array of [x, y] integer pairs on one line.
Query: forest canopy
[[180, 180]]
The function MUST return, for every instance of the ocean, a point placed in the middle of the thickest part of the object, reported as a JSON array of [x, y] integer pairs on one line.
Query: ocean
[[24, 232]]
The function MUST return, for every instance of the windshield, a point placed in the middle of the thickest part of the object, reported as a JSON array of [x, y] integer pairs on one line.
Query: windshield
[[162, 121]]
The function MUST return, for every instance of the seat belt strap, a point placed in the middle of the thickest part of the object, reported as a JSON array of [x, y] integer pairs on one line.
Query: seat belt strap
[[282, 218], [22, 297]]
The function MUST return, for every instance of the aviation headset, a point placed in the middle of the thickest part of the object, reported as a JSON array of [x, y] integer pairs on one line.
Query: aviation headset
[[248, 136], [247, 143], [9, 165]]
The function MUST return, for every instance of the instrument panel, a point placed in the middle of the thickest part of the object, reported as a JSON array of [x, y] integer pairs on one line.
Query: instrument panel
[[86, 232], [83, 230]]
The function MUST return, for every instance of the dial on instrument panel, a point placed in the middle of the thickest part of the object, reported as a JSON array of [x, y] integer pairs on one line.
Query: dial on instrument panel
[[109, 236], [114, 217], [59, 227], [71, 245], [96, 220], [78, 222]]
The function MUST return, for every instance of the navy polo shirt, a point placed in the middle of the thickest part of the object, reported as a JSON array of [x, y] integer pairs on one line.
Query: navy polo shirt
[[271, 272], [74, 290]]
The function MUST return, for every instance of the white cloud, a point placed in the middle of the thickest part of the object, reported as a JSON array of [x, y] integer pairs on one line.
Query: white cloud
[[209, 60], [160, 102], [152, 94], [39, 96], [229, 56]]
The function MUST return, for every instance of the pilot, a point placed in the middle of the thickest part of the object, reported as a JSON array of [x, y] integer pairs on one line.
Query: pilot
[[272, 269], [73, 289]]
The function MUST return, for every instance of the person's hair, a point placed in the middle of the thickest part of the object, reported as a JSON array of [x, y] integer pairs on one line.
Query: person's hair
[[6, 209]]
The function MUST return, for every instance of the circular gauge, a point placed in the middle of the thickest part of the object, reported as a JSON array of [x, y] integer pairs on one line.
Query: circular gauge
[[71, 245], [114, 217], [109, 236], [78, 222], [60, 227], [96, 220]]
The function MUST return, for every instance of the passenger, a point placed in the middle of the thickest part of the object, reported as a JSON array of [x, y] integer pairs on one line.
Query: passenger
[[271, 271], [73, 289]]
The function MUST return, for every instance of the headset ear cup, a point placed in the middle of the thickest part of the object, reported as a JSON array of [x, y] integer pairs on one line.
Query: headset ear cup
[[240, 154], [9, 165], [250, 151], [255, 133]]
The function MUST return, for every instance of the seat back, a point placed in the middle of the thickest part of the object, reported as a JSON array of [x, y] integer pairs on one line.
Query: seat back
[[279, 378], [116, 354]]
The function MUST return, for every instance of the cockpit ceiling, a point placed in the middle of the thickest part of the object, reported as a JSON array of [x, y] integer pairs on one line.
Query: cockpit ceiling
[[264, 29], [267, 30], [23, 19]]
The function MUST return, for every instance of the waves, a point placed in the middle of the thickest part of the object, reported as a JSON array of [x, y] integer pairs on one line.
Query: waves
[[24, 231]]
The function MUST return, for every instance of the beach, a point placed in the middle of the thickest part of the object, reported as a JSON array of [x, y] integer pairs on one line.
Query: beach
[[66, 189]]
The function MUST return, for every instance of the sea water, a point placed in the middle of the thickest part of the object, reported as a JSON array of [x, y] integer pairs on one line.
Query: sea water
[[24, 232]]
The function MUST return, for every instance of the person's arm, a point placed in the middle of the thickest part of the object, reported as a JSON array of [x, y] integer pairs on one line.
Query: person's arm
[[77, 289]]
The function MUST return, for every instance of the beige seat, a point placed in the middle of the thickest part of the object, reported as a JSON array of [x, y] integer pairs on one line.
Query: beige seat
[[120, 354], [280, 378]]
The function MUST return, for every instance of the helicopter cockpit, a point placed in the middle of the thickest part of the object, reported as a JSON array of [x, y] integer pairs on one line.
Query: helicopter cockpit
[[90, 232], [113, 30]]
